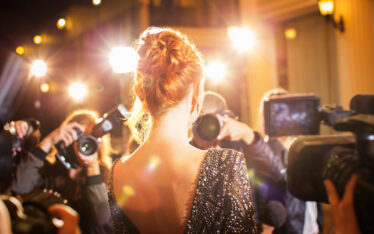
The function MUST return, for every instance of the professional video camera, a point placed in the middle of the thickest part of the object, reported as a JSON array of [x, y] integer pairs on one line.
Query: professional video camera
[[313, 159], [207, 127], [88, 144], [32, 216]]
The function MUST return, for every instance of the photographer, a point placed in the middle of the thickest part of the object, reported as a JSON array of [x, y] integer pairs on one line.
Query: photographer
[[84, 185], [66, 214], [238, 135]]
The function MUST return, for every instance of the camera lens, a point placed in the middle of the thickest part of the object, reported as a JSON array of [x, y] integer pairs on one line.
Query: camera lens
[[87, 145], [207, 127]]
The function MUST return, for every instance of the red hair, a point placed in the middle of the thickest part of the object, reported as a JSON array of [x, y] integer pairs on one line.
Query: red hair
[[168, 66]]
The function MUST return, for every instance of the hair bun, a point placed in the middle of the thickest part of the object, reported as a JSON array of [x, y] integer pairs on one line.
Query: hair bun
[[168, 65]]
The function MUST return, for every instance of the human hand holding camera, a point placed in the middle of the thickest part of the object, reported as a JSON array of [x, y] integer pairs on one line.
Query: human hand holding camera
[[235, 130], [90, 162], [343, 209], [65, 133]]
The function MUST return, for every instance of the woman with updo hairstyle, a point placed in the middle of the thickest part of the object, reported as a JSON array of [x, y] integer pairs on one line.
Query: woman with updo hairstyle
[[166, 185]]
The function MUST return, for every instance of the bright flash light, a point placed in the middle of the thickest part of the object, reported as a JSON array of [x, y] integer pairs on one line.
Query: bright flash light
[[123, 59], [96, 2], [216, 71], [20, 50], [77, 91], [38, 39], [290, 33], [38, 68], [242, 38], [45, 87], [61, 23]]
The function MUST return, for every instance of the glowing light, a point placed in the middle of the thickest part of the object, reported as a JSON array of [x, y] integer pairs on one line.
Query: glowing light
[[126, 192], [44, 87], [38, 39], [123, 59], [20, 50], [216, 71], [61, 23], [326, 7], [96, 2], [77, 91], [290, 33], [38, 68], [242, 38], [154, 161]]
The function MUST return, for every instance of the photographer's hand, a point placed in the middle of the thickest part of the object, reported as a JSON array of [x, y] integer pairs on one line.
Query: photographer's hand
[[342, 209], [69, 216], [235, 130], [65, 132], [21, 127], [91, 162]]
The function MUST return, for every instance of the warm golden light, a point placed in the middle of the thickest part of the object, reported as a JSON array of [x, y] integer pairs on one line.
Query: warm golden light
[[243, 38], [123, 59], [20, 50], [96, 2], [154, 161], [326, 7], [45, 87], [61, 23], [216, 71], [38, 68], [38, 39], [290, 33], [77, 91]]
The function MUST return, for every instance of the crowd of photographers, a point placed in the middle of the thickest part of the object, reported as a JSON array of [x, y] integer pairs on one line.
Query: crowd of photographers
[[44, 175]]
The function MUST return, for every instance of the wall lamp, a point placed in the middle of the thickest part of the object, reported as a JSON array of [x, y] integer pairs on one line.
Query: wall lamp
[[327, 8]]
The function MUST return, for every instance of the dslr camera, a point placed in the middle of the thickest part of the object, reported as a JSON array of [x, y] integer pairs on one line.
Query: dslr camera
[[207, 127], [313, 158], [88, 144]]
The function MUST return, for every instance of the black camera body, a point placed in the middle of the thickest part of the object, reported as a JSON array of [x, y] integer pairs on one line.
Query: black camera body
[[89, 144], [31, 216], [207, 127]]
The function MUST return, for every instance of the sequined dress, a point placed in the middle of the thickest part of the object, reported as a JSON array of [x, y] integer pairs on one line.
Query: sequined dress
[[222, 202]]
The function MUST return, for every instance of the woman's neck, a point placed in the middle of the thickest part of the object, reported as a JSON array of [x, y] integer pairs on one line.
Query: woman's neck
[[171, 127]]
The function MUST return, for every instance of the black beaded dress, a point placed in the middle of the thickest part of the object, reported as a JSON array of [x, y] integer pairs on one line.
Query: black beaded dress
[[222, 202]]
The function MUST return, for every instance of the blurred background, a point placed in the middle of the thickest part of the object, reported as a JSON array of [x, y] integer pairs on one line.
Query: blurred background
[[56, 56]]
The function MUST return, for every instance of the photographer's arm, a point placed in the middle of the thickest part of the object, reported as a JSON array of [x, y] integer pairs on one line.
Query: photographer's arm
[[96, 190], [258, 153], [65, 133], [27, 175]]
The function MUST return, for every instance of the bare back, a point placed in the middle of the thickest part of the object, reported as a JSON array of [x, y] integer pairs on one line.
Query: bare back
[[155, 187]]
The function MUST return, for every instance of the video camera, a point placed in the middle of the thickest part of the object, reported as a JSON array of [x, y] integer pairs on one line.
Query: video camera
[[312, 159], [88, 144]]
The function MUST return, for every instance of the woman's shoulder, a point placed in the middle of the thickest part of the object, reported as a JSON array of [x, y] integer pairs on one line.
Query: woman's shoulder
[[222, 159], [224, 154]]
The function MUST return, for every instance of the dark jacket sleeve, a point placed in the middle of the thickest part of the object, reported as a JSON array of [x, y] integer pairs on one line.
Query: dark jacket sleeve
[[27, 176], [261, 157], [95, 213]]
